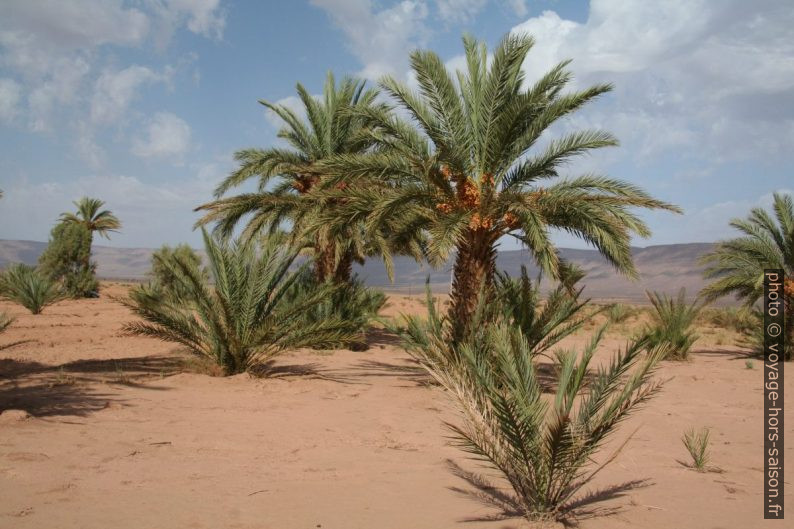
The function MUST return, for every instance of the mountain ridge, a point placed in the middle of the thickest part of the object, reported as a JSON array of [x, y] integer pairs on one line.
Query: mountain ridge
[[665, 267]]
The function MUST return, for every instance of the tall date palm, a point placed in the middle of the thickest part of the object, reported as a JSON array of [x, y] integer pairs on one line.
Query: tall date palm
[[92, 216], [329, 128], [465, 168]]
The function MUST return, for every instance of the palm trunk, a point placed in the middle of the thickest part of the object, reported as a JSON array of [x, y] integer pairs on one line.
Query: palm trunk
[[327, 269], [473, 273], [324, 262], [344, 270]]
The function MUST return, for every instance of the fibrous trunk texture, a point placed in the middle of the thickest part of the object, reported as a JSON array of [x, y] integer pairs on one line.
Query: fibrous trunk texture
[[475, 265], [327, 269]]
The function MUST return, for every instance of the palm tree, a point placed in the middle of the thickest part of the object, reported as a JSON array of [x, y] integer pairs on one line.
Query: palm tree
[[328, 129], [672, 321], [30, 288], [466, 169], [90, 214], [543, 447], [95, 219], [737, 265], [241, 316]]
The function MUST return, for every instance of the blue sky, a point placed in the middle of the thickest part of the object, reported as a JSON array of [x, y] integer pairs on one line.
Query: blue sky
[[143, 103]]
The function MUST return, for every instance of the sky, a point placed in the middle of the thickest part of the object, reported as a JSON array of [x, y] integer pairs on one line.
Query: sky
[[143, 103]]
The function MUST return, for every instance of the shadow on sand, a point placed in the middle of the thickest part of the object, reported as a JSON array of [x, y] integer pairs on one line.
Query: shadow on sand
[[67, 389], [507, 506]]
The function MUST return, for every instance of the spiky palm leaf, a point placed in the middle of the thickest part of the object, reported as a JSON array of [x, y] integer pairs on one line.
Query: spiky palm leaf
[[240, 319], [353, 303], [91, 214], [165, 264], [329, 128], [543, 322], [466, 169], [673, 319], [737, 265], [543, 449], [30, 288]]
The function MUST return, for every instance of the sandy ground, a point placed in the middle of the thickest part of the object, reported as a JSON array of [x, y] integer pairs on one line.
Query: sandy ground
[[120, 434]]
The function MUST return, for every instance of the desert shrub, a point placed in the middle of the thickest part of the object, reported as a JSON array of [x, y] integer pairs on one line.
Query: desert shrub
[[166, 275], [352, 303], [543, 321], [542, 448], [619, 313], [697, 444], [754, 340], [29, 287], [743, 320], [238, 318], [672, 323], [67, 259]]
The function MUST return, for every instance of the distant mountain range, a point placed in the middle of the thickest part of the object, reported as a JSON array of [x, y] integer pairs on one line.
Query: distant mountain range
[[665, 268]]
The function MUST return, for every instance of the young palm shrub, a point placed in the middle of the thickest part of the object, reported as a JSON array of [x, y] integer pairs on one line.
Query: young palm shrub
[[672, 323], [165, 273], [240, 318], [619, 313], [743, 320], [543, 322], [542, 448], [30, 288], [697, 444], [352, 303]]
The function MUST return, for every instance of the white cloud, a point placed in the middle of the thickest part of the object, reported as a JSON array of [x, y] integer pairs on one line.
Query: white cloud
[[459, 11], [10, 95], [686, 72], [62, 86], [71, 24], [710, 223], [167, 136], [115, 90], [204, 17], [381, 40], [55, 47]]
